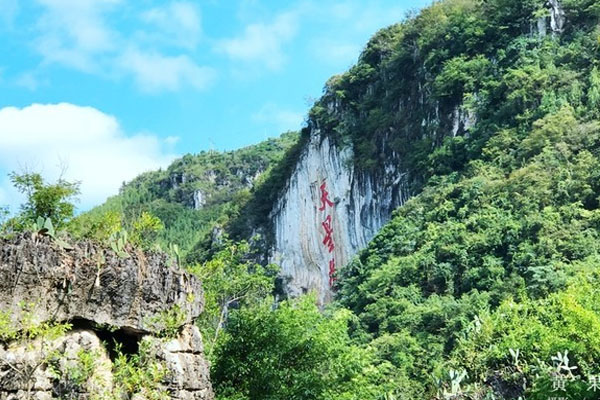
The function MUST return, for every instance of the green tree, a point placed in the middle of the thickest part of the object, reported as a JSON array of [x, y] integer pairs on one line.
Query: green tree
[[145, 230], [293, 352], [230, 279], [594, 92], [46, 200]]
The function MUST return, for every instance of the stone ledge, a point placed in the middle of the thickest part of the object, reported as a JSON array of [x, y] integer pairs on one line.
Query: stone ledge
[[64, 285]]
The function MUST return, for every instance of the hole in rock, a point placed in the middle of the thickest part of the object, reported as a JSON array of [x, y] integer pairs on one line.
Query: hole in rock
[[127, 340]]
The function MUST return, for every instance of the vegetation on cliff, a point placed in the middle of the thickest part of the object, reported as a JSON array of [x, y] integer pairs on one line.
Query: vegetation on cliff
[[483, 286], [183, 203]]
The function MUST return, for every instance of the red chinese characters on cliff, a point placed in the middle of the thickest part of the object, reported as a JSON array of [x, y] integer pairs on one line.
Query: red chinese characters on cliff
[[328, 228], [325, 197], [328, 240]]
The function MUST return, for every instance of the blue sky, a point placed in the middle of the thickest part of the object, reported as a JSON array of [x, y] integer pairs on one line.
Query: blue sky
[[101, 90]]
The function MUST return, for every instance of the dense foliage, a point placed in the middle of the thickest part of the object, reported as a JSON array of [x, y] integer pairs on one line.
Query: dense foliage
[[483, 286], [292, 352], [230, 281], [188, 199], [470, 243]]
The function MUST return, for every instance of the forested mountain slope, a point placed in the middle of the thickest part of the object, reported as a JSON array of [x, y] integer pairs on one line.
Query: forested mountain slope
[[478, 122], [182, 204], [484, 285], [422, 101]]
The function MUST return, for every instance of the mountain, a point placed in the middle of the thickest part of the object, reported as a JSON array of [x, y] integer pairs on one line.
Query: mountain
[[193, 196], [443, 202], [420, 102]]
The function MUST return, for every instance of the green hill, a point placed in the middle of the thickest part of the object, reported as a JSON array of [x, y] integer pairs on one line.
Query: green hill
[[195, 194], [485, 284]]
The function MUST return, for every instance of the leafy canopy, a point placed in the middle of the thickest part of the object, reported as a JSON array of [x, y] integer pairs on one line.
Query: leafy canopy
[[46, 200]]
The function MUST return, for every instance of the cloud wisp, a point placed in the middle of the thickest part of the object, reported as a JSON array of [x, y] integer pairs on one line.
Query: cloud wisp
[[88, 144], [179, 24], [262, 42], [282, 119], [154, 72], [79, 35]]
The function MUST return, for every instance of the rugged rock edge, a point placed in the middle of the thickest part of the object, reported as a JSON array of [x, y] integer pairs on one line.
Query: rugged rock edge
[[106, 298]]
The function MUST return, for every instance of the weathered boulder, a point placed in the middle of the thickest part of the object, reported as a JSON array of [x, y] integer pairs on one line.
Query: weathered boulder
[[116, 307], [43, 369], [77, 366], [92, 283], [184, 358]]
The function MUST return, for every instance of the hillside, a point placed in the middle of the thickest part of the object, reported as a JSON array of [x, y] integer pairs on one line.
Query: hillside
[[422, 102], [484, 284], [435, 226], [195, 194]]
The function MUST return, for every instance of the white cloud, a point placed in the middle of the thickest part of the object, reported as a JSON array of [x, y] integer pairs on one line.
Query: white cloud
[[155, 72], [179, 23], [90, 144], [262, 42], [77, 34], [74, 32], [172, 140], [284, 120]]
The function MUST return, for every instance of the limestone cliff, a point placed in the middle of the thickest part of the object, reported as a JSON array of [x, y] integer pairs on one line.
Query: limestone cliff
[[141, 301], [371, 140], [360, 205]]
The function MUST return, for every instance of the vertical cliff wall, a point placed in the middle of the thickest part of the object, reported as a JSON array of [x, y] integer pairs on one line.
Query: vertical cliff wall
[[369, 138], [404, 113], [361, 204]]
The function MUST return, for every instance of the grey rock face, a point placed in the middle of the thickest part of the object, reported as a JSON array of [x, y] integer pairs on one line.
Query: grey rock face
[[25, 373], [557, 16], [189, 378], [93, 284], [541, 26], [199, 200], [362, 204], [93, 287], [187, 371]]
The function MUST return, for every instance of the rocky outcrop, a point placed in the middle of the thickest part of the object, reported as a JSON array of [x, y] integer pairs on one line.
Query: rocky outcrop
[[184, 357], [91, 283], [557, 16], [106, 299], [555, 21], [199, 199], [43, 369], [362, 204]]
